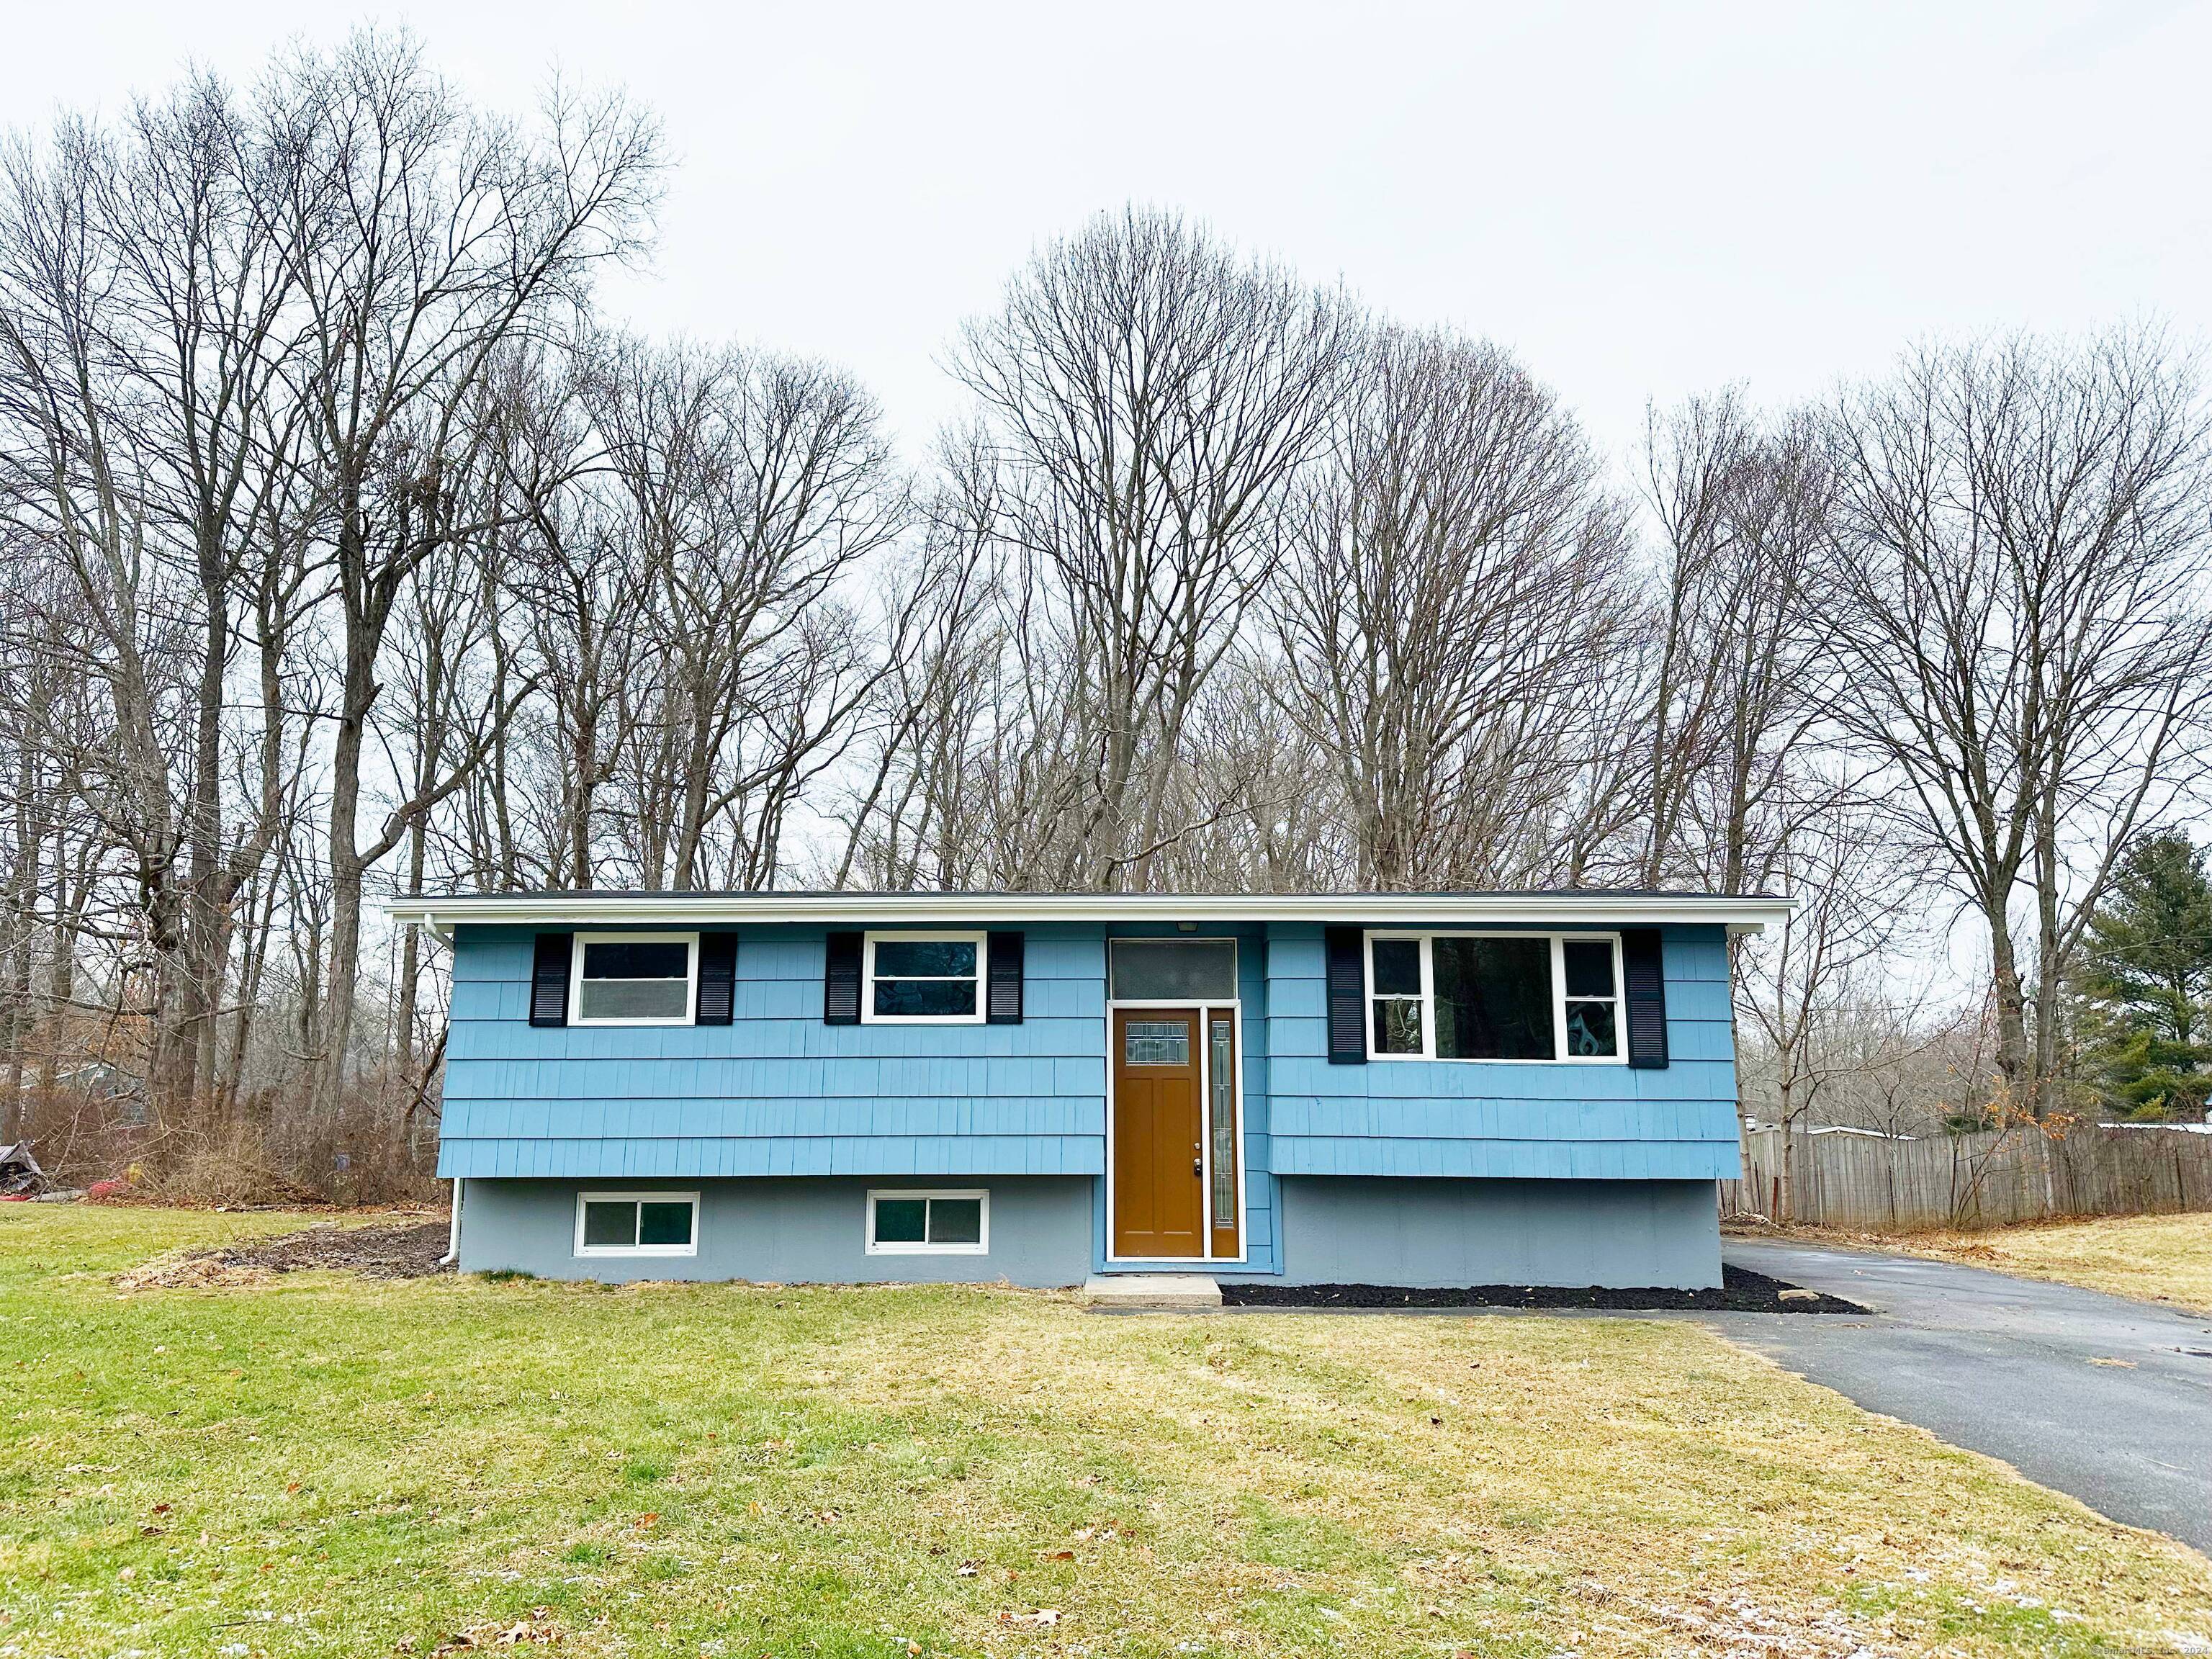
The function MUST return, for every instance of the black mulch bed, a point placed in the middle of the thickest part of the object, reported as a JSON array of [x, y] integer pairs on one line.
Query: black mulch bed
[[1741, 1291]]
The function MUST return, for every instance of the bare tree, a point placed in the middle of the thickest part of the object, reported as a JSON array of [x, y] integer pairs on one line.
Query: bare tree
[[750, 489], [425, 239], [1147, 398], [1736, 700], [1808, 989], [446, 699], [202, 341], [1456, 587], [2016, 612], [581, 594], [79, 491], [924, 810]]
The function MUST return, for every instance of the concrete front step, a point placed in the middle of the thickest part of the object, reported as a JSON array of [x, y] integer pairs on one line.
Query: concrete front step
[[1152, 1291]]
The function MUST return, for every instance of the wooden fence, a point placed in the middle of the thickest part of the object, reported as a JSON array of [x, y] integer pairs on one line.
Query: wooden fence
[[2019, 1174]]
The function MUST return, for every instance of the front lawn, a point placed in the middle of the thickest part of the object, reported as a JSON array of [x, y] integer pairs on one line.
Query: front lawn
[[2151, 1258], [330, 1465]]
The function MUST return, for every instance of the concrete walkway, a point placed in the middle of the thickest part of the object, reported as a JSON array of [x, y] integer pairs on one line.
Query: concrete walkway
[[2108, 1400]]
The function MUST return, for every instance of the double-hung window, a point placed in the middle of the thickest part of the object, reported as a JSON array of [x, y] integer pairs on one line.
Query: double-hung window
[[936, 978], [1494, 996], [634, 979]]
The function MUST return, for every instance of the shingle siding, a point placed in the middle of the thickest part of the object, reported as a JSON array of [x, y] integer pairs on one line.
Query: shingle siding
[[779, 1093], [1411, 1117], [776, 1092]]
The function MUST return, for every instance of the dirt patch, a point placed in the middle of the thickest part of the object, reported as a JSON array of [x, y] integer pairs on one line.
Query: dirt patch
[[1741, 1291], [406, 1250], [197, 1270]]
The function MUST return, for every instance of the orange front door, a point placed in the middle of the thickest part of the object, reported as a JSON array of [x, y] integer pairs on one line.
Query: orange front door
[[1159, 1192]]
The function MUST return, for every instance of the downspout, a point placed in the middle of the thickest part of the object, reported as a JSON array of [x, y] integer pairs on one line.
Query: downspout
[[453, 1230], [444, 936]]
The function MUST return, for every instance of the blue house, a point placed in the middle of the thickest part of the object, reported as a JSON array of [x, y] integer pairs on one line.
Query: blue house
[[1388, 1089]]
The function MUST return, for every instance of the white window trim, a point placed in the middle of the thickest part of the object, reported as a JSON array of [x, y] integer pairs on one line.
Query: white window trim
[[1559, 997], [584, 1249], [690, 977], [982, 1247], [869, 1015]]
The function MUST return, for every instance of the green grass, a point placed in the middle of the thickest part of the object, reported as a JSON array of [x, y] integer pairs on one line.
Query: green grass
[[330, 1466]]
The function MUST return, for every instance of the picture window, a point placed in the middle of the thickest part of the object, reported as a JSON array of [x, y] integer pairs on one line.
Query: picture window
[[1494, 997]]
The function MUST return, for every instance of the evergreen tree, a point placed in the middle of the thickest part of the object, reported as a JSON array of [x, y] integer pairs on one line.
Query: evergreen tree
[[2147, 984]]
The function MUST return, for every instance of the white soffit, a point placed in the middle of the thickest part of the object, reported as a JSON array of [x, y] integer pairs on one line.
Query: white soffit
[[1739, 915]]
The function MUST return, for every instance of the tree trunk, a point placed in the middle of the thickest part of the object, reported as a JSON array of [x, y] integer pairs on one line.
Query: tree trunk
[[411, 953], [348, 870], [2014, 1060]]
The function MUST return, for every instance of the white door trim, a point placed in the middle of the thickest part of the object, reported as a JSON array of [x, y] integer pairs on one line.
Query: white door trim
[[1198, 1005]]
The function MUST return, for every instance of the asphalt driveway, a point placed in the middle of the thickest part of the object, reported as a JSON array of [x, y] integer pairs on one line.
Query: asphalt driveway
[[2105, 1399]]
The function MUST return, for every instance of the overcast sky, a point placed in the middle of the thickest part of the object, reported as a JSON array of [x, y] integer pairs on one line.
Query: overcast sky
[[1640, 200]]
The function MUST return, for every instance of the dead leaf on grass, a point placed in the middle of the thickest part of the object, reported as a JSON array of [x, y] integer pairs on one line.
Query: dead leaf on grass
[[538, 1631], [1042, 1619]]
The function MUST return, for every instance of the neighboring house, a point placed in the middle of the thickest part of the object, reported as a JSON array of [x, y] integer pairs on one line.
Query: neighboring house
[[1393, 1088]]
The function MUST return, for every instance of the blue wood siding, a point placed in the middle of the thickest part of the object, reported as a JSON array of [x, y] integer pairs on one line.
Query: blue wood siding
[[1469, 1118], [776, 1092]]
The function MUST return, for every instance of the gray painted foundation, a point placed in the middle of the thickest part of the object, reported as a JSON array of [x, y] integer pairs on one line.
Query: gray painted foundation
[[787, 1231], [1346, 1230], [1369, 1229]]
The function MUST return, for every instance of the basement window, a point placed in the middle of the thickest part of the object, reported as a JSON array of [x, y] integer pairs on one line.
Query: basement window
[[637, 1223], [929, 1223]]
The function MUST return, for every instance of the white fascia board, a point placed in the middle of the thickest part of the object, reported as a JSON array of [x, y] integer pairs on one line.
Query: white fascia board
[[1739, 915]]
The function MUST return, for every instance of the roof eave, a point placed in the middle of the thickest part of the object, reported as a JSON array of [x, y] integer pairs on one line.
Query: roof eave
[[440, 915]]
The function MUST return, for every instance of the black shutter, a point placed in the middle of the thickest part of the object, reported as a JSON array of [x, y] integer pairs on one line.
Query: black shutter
[[1347, 997], [549, 979], [1002, 1003], [1645, 992], [841, 981], [718, 978]]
